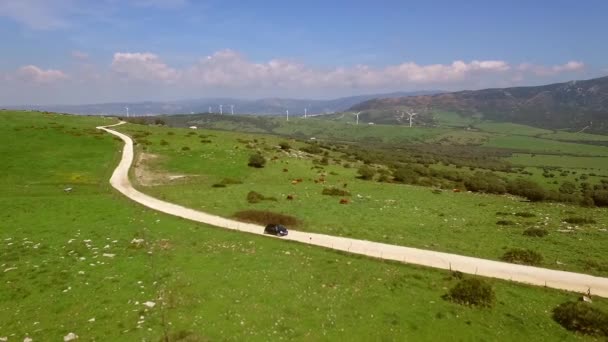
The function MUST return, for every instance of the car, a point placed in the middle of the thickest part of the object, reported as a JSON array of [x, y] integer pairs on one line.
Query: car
[[275, 229]]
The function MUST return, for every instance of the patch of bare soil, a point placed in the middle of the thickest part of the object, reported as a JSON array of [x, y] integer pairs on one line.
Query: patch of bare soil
[[146, 176]]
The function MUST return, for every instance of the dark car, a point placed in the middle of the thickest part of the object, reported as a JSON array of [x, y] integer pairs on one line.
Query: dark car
[[275, 229]]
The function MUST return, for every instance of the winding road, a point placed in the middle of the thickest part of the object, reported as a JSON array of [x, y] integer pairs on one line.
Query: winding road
[[488, 268]]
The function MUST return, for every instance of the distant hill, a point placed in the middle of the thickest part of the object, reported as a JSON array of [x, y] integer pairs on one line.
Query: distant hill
[[269, 106], [574, 104]]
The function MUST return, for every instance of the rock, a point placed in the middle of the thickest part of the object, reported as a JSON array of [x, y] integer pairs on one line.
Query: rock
[[27, 339], [3, 339], [108, 255], [70, 337], [150, 304]]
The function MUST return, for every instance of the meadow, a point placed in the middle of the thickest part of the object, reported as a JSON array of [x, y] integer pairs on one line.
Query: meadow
[[92, 263], [217, 179]]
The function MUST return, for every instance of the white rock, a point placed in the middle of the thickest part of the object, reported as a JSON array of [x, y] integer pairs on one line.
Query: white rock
[[3, 339], [108, 255], [150, 304], [92, 320], [10, 269], [70, 337], [27, 339]]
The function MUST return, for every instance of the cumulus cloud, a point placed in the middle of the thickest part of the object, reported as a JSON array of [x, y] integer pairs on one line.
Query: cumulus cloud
[[32, 73]]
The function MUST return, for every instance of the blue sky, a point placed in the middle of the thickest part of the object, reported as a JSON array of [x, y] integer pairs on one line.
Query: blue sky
[[78, 51]]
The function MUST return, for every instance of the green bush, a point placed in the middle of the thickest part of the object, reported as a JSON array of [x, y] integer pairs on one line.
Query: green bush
[[164, 142], [579, 220], [505, 223], [218, 185], [185, 148], [265, 217], [536, 232], [335, 192], [255, 197], [525, 214], [581, 317], [522, 256], [284, 146], [257, 160], [472, 291], [366, 172]]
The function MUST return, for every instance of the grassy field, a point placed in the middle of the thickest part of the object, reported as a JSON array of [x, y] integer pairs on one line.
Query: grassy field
[[399, 214], [69, 265]]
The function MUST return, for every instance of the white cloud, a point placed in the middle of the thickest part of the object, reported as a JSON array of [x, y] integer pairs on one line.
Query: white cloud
[[541, 70], [32, 73], [143, 67]]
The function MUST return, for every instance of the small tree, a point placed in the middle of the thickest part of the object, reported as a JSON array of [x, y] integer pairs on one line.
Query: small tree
[[257, 160], [284, 146], [567, 188], [473, 292]]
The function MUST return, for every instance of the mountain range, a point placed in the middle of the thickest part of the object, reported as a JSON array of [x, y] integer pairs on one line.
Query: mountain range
[[268, 106], [573, 105]]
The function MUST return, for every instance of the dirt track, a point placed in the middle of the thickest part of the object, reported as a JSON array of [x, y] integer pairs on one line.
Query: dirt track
[[525, 274]]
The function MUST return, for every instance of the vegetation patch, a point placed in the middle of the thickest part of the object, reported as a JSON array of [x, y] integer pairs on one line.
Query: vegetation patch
[[257, 161], [522, 256], [505, 223], [335, 192], [264, 217], [536, 232], [579, 220], [256, 197], [525, 214], [582, 317], [472, 292]]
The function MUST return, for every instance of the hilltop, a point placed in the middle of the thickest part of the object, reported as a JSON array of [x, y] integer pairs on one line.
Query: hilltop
[[575, 105]]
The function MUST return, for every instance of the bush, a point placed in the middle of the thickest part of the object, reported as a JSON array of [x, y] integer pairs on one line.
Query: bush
[[255, 197], [567, 187], [265, 217], [536, 232], [257, 160], [579, 220], [335, 192], [472, 291], [185, 148], [218, 185], [581, 317], [366, 172], [164, 142], [522, 257], [505, 223], [284, 146]]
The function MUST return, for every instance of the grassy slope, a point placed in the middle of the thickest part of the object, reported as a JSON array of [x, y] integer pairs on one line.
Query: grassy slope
[[216, 284], [400, 214]]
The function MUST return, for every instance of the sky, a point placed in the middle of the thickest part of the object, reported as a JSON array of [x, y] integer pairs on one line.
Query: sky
[[93, 51]]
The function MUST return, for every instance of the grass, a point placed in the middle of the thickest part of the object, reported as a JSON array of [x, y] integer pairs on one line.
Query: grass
[[215, 284], [406, 215]]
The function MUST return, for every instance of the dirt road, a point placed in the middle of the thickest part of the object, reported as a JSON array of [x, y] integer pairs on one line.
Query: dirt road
[[524, 274]]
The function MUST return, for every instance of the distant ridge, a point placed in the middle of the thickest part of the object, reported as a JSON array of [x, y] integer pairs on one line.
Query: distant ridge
[[574, 104], [267, 106]]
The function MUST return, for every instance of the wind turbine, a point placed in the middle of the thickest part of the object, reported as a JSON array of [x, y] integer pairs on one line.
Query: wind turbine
[[221, 109], [287, 113], [305, 112], [357, 114], [232, 109], [209, 109], [411, 114], [127, 108]]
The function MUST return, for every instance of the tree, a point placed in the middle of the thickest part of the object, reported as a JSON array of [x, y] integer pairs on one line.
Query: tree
[[257, 160], [567, 188]]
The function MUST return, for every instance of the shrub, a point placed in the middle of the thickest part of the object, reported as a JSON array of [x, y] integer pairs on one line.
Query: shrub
[[536, 232], [335, 192], [579, 220], [185, 148], [218, 185], [472, 291], [312, 149], [255, 197], [505, 223], [522, 256], [581, 317], [567, 187], [265, 217], [257, 160], [366, 172], [164, 142], [284, 146]]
